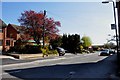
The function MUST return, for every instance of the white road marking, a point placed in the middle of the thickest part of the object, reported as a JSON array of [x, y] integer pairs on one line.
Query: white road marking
[[10, 72]]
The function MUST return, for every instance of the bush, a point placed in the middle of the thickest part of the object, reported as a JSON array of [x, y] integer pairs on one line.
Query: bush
[[44, 51], [26, 49], [31, 49], [12, 49], [47, 52], [18, 49], [53, 52]]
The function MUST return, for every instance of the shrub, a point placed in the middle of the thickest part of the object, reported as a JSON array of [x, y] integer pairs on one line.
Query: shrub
[[47, 52], [18, 49], [53, 52], [12, 49], [44, 51], [31, 49]]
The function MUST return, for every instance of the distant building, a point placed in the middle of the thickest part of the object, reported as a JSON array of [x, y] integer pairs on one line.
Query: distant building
[[97, 46]]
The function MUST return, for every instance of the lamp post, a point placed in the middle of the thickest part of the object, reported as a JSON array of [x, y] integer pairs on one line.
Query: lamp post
[[115, 24]]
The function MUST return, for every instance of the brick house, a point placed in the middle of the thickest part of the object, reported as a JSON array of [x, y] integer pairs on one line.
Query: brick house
[[8, 35], [2, 26], [11, 34]]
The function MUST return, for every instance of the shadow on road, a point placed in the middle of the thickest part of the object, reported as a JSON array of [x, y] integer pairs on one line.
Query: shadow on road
[[98, 70]]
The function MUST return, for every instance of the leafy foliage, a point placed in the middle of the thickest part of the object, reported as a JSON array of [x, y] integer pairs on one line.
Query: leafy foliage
[[34, 23], [86, 41], [71, 43], [46, 51], [56, 42], [109, 45]]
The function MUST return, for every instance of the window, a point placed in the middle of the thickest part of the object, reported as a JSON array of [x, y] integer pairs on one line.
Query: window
[[0, 30], [0, 42], [7, 42]]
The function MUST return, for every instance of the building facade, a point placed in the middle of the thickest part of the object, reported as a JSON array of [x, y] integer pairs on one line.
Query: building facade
[[2, 26], [10, 35]]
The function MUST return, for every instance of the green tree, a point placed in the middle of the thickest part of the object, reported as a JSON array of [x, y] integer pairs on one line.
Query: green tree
[[109, 45], [71, 42], [56, 42], [86, 41], [65, 41]]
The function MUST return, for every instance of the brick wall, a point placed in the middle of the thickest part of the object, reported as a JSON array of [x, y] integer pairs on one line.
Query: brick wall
[[1, 40], [11, 32], [1, 36]]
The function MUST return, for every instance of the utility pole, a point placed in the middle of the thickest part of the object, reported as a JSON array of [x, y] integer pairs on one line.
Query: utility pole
[[44, 29], [118, 10], [116, 31], [117, 41]]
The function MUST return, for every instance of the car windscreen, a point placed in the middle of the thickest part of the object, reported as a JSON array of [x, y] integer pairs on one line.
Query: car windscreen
[[104, 51]]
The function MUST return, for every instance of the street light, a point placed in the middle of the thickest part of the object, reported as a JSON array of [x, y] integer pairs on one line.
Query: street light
[[115, 22], [107, 1]]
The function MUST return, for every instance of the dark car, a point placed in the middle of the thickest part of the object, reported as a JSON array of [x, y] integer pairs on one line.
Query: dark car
[[61, 51], [104, 52]]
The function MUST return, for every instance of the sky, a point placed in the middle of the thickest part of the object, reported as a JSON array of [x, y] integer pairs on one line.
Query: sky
[[91, 19]]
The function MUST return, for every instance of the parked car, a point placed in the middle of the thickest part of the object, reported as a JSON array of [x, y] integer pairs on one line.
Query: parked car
[[61, 51], [104, 52]]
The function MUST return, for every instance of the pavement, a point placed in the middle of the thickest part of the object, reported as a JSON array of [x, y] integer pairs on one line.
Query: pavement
[[8, 60]]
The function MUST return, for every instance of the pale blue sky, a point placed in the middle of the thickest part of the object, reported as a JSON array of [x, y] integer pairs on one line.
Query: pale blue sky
[[92, 19], [51, 0]]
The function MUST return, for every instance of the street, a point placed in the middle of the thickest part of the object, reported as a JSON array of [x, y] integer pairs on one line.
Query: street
[[65, 67]]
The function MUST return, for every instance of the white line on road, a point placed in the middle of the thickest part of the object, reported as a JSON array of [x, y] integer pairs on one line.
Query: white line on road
[[10, 72]]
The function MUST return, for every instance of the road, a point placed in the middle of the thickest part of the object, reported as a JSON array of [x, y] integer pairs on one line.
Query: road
[[66, 67], [10, 60]]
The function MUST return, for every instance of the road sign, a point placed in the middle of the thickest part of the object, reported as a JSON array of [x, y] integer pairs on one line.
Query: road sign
[[113, 26]]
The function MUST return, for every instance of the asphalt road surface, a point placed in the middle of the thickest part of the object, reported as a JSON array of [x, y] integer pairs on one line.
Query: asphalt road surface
[[6, 61], [64, 68]]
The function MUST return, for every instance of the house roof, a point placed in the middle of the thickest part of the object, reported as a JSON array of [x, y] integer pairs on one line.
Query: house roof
[[2, 24], [17, 28]]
